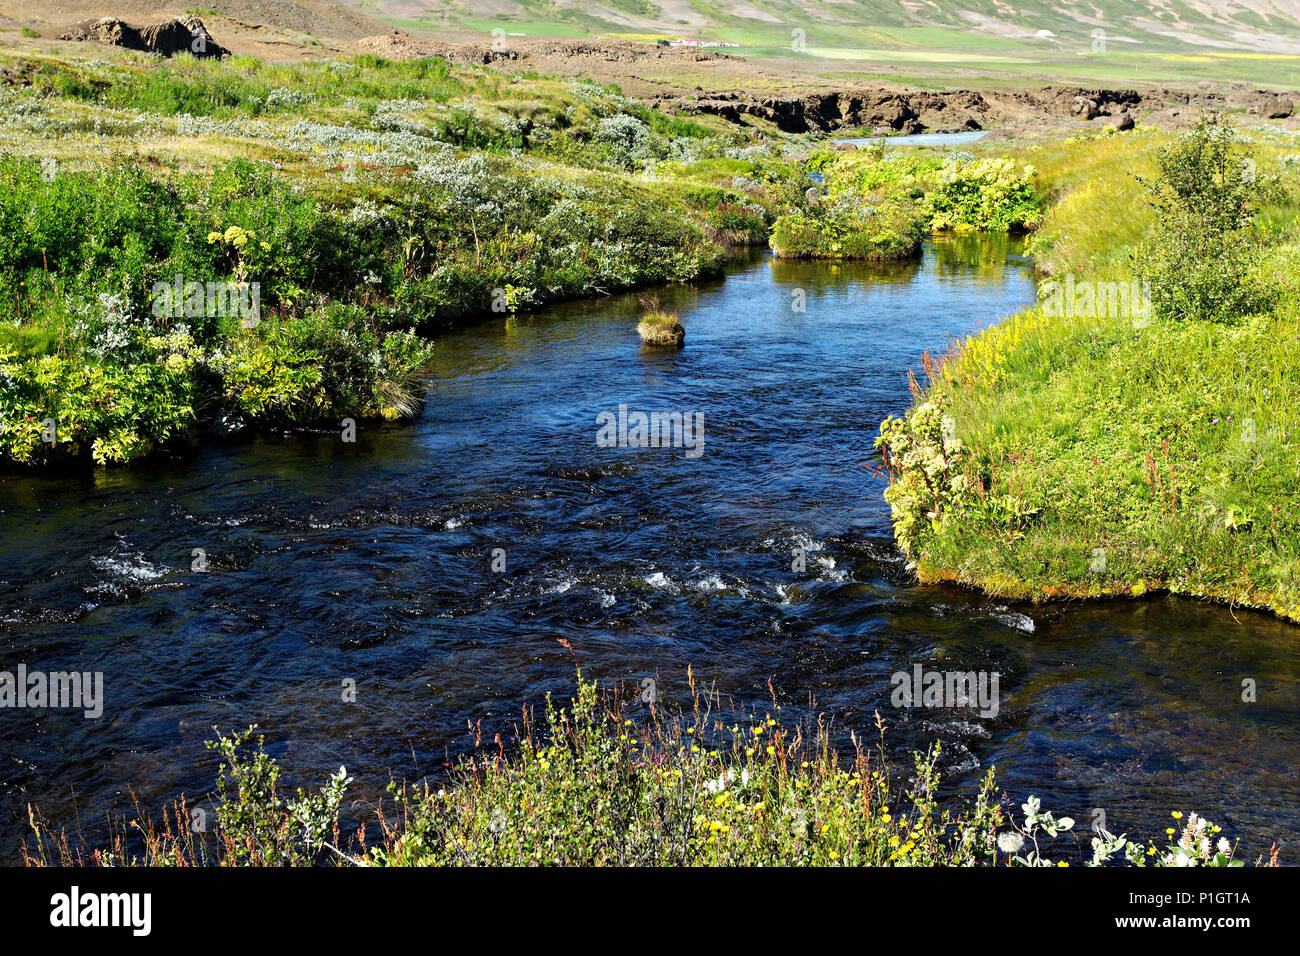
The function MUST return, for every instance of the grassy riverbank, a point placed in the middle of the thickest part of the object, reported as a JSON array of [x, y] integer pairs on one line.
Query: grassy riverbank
[[880, 208], [1121, 450], [211, 247], [609, 782], [202, 246]]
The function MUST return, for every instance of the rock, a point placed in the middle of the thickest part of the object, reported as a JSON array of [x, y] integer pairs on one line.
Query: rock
[[717, 107], [1085, 107], [228, 423], [1274, 107], [1124, 122], [185, 34], [846, 147]]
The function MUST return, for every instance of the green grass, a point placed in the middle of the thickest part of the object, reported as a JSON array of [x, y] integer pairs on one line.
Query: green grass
[[1053, 456], [381, 201], [959, 67]]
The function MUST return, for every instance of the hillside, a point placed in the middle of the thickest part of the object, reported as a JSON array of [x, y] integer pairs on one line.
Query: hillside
[[840, 26], [324, 18], [276, 29], [1155, 42]]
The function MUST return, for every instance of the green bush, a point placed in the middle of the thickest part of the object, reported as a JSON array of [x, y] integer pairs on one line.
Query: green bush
[[880, 207], [52, 408], [114, 229], [1199, 257], [852, 228], [333, 361], [982, 194]]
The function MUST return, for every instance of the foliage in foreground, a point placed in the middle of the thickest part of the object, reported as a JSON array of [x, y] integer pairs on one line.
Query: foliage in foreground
[[1113, 452], [594, 787]]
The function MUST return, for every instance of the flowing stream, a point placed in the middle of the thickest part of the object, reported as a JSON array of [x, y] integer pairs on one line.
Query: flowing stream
[[372, 562]]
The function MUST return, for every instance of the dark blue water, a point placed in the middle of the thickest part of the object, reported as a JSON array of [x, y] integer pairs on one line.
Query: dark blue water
[[372, 562]]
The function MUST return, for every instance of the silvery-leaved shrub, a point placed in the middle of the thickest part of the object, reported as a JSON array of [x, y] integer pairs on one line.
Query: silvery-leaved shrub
[[628, 142], [107, 329]]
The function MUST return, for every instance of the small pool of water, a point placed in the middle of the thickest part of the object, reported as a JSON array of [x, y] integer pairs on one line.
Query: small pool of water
[[920, 139]]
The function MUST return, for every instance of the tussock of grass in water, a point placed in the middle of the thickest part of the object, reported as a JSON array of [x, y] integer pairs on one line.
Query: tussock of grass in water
[[1058, 456], [660, 327], [594, 786]]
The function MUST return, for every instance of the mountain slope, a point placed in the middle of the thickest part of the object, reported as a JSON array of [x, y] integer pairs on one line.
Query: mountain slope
[[1261, 26], [323, 18]]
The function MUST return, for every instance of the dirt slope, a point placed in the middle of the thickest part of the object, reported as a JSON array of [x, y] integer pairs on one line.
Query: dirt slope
[[278, 29]]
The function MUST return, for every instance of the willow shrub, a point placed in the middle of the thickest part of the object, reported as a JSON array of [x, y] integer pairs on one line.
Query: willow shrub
[[1201, 253], [851, 227], [54, 408], [990, 194]]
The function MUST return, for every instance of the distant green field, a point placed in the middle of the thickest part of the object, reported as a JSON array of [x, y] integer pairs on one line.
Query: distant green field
[[929, 54], [948, 38], [913, 56], [532, 28], [946, 67]]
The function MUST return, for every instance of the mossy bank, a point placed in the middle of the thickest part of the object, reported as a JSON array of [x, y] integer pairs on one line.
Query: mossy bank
[[1140, 434]]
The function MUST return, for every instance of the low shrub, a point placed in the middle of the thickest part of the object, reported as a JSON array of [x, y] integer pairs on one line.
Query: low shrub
[[593, 787], [982, 194], [852, 227], [1199, 256]]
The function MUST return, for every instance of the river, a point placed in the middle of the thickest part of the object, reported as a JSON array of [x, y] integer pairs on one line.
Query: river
[[373, 562]]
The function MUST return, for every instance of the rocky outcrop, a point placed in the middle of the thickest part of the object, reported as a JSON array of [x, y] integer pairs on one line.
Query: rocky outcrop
[[1272, 106], [915, 111], [1079, 103], [882, 109], [808, 107], [185, 34]]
